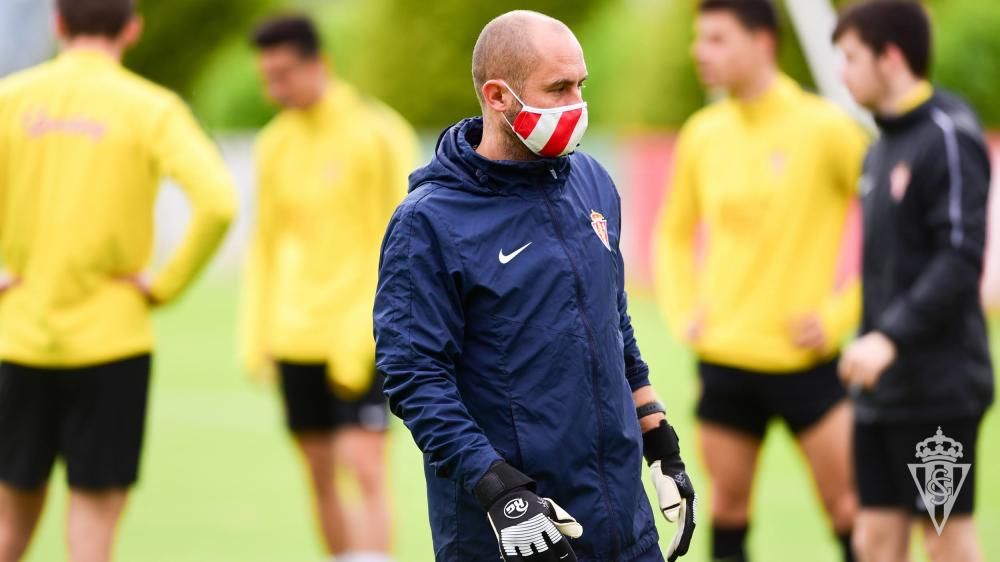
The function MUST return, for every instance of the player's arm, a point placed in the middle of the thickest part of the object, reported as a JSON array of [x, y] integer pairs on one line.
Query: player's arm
[[419, 325], [845, 143], [954, 195], [257, 271], [660, 444], [185, 154], [390, 156], [674, 245], [419, 321]]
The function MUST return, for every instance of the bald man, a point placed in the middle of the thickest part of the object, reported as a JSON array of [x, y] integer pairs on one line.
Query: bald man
[[503, 332]]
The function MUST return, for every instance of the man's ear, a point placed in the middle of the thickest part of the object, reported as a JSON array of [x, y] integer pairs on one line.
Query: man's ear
[[496, 96], [132, 32], [893, 56]]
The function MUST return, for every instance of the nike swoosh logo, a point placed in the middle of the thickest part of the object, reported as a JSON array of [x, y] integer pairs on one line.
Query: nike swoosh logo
[[506, 258]]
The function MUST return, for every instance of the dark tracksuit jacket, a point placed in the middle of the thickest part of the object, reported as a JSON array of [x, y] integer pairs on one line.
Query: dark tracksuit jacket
[[925, 188], [502, 329]]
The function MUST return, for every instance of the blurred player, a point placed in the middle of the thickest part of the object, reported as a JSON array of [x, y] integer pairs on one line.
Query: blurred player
[[922, 365], [331, 168], [769, 173], [83, 146]]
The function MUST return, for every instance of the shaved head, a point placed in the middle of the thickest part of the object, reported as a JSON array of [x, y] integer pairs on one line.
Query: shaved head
[[523, 58], [507, 48]]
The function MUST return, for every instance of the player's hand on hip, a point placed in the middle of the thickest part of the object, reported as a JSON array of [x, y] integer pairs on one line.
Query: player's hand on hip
[[528, 528], [696, 326], [674, 490], [143, 285], [808, 333]]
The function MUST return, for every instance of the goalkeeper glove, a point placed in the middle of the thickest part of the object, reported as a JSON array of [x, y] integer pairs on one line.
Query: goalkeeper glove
[[674, 491], [528, 528]]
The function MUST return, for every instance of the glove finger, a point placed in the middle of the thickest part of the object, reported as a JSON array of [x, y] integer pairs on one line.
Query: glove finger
[[689, 524], [685, 530], [667, 493], [562, 552], [563, 521], [673, 551]]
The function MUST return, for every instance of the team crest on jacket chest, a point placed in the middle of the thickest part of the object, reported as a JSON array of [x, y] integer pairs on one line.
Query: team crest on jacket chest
[[600, 225]]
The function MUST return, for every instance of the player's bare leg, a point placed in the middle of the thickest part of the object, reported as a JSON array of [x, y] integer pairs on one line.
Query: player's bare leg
[[731, 460], [19, 513], [882, 535], [91, 523], [827, 447], [317, 448], [363, 453], [957, 542]]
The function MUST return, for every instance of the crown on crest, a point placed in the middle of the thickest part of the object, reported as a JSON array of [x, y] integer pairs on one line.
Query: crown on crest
[[939, 447]]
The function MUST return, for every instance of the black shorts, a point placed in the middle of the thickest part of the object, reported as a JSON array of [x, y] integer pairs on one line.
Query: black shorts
[[311, 405], [746, 400], [887, 467], [92, 417]]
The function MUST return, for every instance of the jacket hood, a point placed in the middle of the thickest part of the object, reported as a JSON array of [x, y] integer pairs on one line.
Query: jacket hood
[[457, 165]]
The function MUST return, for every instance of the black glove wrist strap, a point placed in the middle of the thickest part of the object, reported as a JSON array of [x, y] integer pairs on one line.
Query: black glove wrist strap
[[499, 480], [662, 444]]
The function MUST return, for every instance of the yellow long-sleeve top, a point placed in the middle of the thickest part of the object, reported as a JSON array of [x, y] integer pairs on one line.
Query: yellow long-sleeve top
[[83, 146], [770, 183], [329, 178]]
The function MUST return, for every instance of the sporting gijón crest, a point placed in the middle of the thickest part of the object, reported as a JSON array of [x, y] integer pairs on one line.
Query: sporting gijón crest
[[600, 225]]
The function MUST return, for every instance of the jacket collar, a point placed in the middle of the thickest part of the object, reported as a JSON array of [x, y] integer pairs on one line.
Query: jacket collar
[[456, 164]]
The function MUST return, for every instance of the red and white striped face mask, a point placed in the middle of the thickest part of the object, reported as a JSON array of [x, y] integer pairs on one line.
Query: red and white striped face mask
[[550, 132]]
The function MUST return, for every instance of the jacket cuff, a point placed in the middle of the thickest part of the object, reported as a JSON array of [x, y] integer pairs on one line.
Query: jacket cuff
[[893, 324], [637, 376], [500, 480]]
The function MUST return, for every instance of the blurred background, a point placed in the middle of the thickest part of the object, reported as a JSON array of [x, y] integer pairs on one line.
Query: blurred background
[[220, 478]]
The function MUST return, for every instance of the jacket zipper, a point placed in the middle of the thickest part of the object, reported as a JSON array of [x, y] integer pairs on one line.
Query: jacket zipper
[[592, 344]]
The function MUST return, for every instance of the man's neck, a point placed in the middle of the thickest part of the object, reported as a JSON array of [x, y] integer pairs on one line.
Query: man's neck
[[317, 95], [101, 45], [756, 85], [900, 88], [496, 145]]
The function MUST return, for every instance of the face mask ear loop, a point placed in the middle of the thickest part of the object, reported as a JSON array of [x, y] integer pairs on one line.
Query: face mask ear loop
[[523, 105], [504, 115]]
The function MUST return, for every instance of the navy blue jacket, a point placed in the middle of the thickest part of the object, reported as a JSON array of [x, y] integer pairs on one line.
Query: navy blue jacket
[[532, 361]]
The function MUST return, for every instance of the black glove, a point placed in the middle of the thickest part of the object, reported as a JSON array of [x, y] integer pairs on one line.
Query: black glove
[[528, 528], [676, 495]]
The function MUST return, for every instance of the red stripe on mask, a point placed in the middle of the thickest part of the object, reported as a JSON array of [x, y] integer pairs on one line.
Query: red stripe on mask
[[564, 131], [525, 122]]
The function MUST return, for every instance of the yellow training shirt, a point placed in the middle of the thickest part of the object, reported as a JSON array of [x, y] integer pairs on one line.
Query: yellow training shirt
[[770, 182], [329, 178], [83, 146]]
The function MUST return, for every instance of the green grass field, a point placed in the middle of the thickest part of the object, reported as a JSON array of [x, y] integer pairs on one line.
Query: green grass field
[[221, 481]]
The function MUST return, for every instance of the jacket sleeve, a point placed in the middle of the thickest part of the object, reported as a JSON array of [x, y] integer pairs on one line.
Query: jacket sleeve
[[184, 154], [419, 325], [257, 280], [391, 156], [636, 370], [674, 273], [846, 144], [954, 197]]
